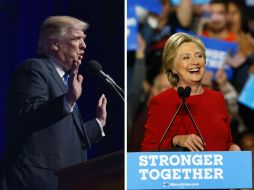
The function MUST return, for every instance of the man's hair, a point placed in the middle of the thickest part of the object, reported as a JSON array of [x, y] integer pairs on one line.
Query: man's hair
[[217, 1], [170, 51], [55, 27], [223, 2]]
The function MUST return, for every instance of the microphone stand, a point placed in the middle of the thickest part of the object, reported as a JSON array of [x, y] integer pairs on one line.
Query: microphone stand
[[194, 123], [117, 89], [170, 124], [111, 81], [183, 94], [94, 67]]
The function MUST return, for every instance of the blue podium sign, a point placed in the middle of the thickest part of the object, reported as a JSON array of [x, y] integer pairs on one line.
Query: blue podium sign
[[189, 170]]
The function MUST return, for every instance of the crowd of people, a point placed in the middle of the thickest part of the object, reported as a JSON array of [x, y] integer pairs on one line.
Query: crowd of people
[[225, 20]]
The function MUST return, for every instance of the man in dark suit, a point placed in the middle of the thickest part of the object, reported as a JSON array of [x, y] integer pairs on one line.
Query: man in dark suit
[[45, 131]]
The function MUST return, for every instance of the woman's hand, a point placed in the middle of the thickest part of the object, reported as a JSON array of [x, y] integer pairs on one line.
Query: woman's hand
[[234, 147], [192, 142]]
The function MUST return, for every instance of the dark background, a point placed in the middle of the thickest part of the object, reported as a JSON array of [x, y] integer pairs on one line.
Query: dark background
[[20, 22]]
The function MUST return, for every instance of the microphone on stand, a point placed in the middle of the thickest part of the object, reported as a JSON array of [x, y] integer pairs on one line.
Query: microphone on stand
[[187, 92], [182, 94], [95, 67]]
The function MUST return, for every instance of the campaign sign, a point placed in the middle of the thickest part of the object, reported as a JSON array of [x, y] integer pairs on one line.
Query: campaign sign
[[189, 170], [132, 29], [153, 6], [216, 53], [197, 2], [247, 95]]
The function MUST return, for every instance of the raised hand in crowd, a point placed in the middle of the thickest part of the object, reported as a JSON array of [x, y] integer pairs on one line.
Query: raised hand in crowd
[[245, 43]]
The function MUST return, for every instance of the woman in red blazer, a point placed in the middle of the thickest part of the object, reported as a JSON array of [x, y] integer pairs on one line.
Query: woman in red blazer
[[184, 61]]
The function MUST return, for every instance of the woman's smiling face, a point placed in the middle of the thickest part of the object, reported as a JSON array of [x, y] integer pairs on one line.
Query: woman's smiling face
[[189, 64]]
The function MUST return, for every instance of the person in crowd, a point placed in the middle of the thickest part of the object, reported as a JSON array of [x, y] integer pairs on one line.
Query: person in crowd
[[223, 85], [184, 61], [160, 84], [136, 91], [243, 60], [237, 19], [139, 94], [45, 131], [231, 96], [216, 27], [247, 141]]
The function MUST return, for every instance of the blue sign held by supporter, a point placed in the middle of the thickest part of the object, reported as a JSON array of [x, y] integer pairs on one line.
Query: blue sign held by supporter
[[153, 6], [189, 170], [216, 54], [247, 95], [132, 29], [196, 2]]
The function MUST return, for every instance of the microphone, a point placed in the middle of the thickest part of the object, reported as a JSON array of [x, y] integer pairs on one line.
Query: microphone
[[95, 67], [181, 92], [186, 93], [182, 95]]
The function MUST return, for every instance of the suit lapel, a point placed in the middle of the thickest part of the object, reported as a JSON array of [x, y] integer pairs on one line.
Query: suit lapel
[[59, 81], [76, 115], [56, 76]]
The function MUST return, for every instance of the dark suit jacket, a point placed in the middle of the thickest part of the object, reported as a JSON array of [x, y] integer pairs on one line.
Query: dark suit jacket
[[41, 136]]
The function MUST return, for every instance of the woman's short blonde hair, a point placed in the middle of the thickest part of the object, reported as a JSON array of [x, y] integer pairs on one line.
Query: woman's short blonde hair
[[55, 27], [170, 51]]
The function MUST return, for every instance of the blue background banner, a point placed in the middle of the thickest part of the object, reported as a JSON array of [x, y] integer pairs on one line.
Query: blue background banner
[[189, 170]]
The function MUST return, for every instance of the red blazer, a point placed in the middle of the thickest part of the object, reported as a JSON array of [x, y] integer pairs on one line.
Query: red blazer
[[208, 110]]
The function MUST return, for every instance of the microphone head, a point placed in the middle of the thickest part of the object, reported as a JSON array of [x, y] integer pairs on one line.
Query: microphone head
[[187, 91], [181, 92], [184, 92], [93, 66]]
